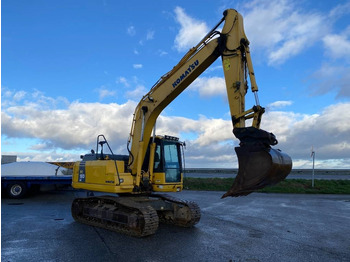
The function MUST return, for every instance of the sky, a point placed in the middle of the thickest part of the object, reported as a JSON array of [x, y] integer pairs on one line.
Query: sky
[[71, 70]]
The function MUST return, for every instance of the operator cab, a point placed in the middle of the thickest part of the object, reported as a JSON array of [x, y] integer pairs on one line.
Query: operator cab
[[168, 165]]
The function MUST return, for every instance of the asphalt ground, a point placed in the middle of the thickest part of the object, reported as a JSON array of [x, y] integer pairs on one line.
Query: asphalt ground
[[258, 227]]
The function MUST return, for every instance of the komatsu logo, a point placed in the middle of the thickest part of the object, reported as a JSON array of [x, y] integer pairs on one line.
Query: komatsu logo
[[186, 73]]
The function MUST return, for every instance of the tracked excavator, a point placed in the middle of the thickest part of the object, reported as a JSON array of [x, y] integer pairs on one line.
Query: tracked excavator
[[138, 181]]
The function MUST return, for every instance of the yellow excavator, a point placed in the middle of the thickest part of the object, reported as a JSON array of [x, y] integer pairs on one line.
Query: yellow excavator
[[155, 165]]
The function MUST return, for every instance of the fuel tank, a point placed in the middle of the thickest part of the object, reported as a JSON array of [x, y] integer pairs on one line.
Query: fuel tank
[[259, 165]]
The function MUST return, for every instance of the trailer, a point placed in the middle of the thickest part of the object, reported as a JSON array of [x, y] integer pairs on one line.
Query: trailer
[[18, 178]]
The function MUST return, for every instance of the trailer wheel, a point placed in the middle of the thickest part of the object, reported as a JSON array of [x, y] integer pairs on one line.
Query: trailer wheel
[[16, 190]]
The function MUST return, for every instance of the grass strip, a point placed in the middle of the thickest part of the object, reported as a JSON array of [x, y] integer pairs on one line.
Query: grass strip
[[301, 186]]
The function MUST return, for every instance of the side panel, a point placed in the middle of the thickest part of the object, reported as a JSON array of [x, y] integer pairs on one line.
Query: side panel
[[101, 175]]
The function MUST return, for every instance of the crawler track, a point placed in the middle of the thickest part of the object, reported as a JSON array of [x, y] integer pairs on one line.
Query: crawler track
[[117, 214], [137, 216], [185, 213]]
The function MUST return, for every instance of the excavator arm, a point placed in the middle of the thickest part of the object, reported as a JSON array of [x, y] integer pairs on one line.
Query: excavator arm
[[232, 46]]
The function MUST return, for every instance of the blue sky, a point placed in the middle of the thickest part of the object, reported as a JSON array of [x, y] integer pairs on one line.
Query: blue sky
[[74, 69]]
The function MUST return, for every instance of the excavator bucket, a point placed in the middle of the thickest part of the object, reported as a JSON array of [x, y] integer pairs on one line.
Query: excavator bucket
[[259, 164]]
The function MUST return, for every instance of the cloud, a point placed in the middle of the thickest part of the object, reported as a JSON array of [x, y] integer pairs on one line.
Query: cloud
[[70, 128], [19, 95], [10, 98], [281, 29], [331, 77], [209, 86], [150, 35], [334, 73], [137, 66], [49, 156], [131, 30], [5, 92], [15, 96], [279, 104], [191, 30], [278, 28], [76, 126], [162, 52], [134, 89], [328, 132], [338, 45], [104, 92], [209, 130], [123, 80], [340, 10], [136, 93]]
